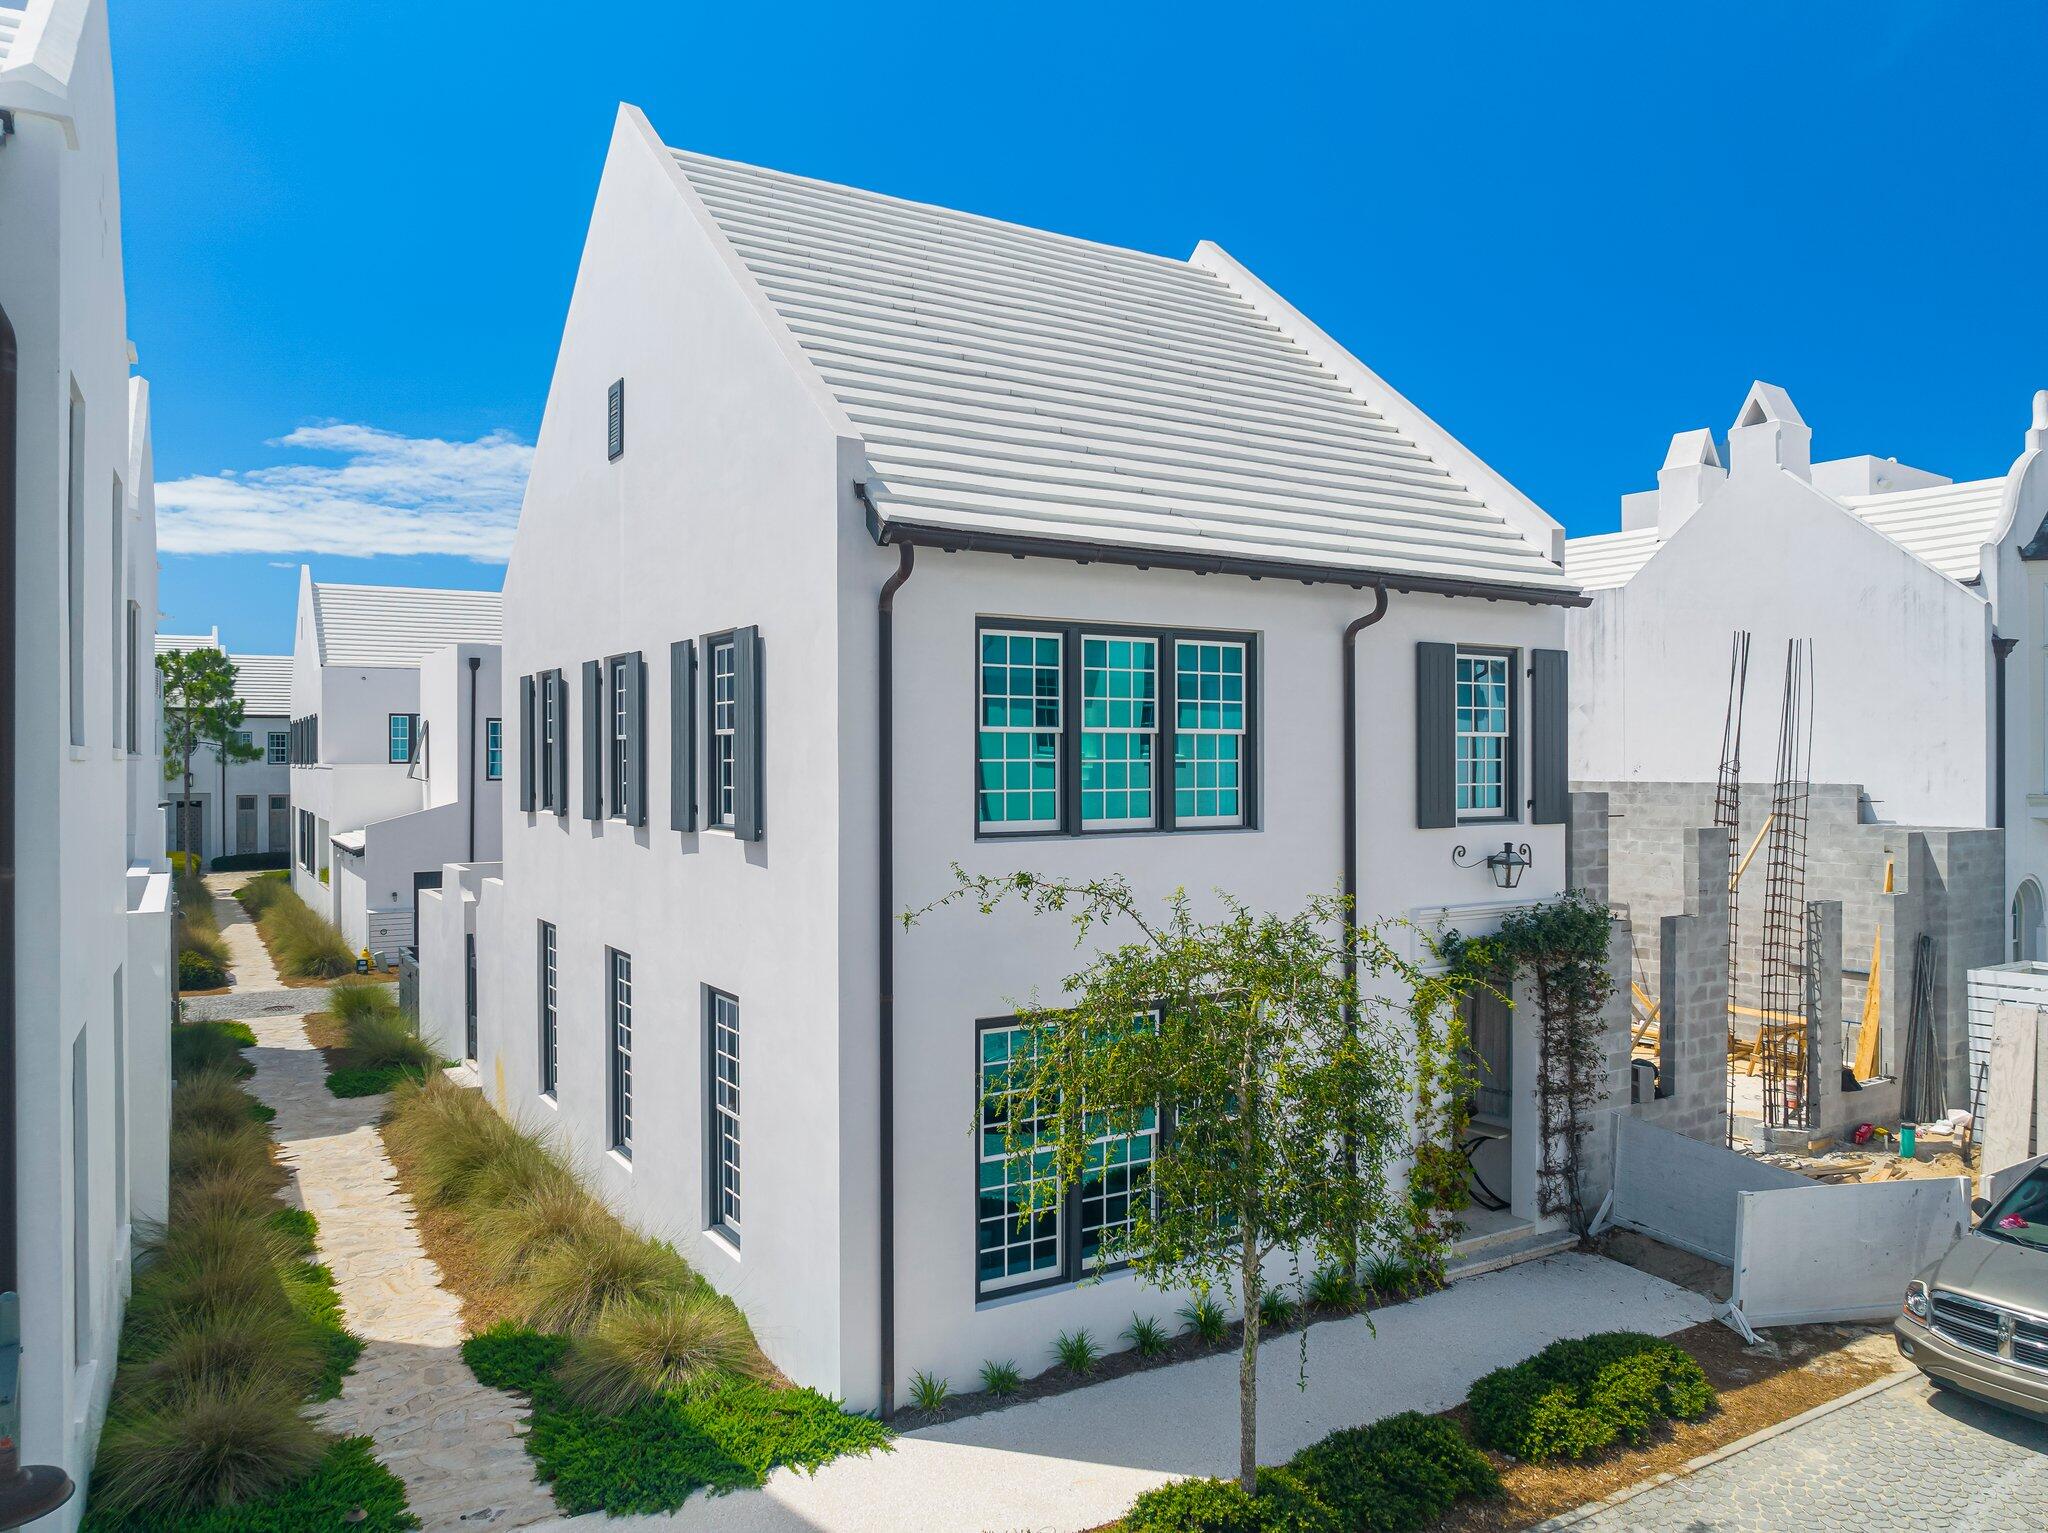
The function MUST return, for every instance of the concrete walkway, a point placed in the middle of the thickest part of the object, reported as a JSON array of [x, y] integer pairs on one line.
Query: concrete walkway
[[455, 1444], [247, 955], [1076, 1461], [1909, 1456]]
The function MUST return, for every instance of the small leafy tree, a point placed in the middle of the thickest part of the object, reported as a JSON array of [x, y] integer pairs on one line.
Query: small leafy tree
[[200, 709], [1278, 1077]]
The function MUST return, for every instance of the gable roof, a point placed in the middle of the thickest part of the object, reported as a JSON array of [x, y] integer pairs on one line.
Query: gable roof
[[264, 684], [1945, 525], [400, 625], [1032, 391]]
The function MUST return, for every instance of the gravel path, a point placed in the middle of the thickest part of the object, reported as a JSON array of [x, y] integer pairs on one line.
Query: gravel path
[[1910, 1457], [455, 1444], [1076, 1460]]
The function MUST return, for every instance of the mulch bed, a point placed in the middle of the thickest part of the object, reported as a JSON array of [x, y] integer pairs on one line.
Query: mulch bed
[[1813, 1364]]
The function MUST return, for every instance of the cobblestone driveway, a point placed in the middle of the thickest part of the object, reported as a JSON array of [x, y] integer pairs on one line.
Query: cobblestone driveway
[[1912, 1457]]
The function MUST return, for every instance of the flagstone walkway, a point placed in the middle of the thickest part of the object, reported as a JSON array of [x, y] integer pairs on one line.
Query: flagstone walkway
[[455, 1444], [247, 955]]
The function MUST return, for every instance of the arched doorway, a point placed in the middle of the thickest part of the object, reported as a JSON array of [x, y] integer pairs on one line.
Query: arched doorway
[[2029, 940]]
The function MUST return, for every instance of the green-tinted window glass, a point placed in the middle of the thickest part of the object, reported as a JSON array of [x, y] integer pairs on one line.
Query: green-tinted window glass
[[1209, 729], [1119, 719], [1017, 1210], [1018, 750]]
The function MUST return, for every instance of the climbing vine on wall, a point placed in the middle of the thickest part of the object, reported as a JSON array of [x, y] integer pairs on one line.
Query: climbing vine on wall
[[1446, 1076], [1562, 946]]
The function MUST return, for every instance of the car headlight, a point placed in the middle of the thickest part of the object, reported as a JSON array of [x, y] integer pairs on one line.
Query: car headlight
[[1918, 1307]]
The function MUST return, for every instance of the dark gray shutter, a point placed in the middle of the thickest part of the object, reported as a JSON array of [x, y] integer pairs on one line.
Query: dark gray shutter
[[593, 740], [1436, 734], [682, 735], [560, 684], [527, 775], [1549, 737], [636, 740], [615, 421], [746, 733]]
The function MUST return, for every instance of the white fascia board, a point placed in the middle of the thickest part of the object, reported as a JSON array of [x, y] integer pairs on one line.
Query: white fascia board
[[633, 126], [1520, 512], [37, 80]]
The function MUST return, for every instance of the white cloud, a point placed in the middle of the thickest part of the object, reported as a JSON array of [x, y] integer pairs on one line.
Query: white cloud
[[389, 494]]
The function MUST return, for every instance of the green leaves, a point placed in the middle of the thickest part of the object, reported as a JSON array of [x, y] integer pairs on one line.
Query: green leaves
[[200, 709]]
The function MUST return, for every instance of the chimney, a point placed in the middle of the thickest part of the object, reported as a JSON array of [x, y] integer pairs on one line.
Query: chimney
[[1769, 432], [1692, 471], [2037, 434]]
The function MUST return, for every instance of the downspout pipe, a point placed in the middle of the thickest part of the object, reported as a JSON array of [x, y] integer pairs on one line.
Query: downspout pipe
[[475, 745], [885, 966], [1349, 668], [2000, 648]]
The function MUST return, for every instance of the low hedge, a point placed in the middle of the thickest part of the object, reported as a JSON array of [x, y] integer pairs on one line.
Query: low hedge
[[196, 971], [1581, 1395], [241, 862]]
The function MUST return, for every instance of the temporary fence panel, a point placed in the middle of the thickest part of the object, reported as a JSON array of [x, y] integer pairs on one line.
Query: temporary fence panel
[[1807, 1255], [2025, 983], [1682, 1191], [2009, 1085]]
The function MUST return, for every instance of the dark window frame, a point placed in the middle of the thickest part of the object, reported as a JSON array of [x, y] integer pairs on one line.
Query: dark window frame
[[1165, 639], [615, 421], [1511, 780], [618, 1061], [714, 1160], [715, 815], [548, 977], [494, 750], [412, 739], [1073, 1267], [618, 730]]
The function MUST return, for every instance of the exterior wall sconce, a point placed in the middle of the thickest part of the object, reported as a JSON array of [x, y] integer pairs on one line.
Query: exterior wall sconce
[[1507, 865]]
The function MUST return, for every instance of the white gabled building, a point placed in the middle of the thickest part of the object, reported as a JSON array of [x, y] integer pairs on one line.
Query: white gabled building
[[396, 749], [864, 537], [239, 809], [85, 939]]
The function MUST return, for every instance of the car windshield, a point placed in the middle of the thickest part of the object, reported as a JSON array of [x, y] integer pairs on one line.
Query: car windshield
[[2021, 1216]]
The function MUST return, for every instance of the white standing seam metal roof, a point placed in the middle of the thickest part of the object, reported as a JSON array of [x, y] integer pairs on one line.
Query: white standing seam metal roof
[[11, 17], [264, 684], [1946, 525], [179, 643], [401, 625], [1022, 385]]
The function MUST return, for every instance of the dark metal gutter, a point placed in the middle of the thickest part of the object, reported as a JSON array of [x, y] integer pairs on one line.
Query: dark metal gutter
[[475, 745], [885, 961], [1078, 551], [1350, 777], [2000, 648]]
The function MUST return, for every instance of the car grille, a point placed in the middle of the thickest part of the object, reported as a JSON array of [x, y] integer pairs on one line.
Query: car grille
[[1973, 1324]]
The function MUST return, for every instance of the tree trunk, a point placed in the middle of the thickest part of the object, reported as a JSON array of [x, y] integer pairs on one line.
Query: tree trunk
[[1248, 1370]]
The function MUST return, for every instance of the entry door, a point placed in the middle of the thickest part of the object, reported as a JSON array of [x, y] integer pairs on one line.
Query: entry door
[[1490, 1036], [281, 823], [188, 827], [245, 822], [421, 881], [469, 998]]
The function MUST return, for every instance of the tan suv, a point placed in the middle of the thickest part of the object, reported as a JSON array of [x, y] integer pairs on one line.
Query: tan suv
[[1977, 1320]]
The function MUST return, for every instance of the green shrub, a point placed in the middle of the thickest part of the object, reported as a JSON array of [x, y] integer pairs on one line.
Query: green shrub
[[1147, 1336], [183, 864], [1394, 1475], [1290, 1506], [348, 1479], [1076, 1351], [512, 1356], [1001, 1379], [1203, 1318], [1275, 1308], [929, 1392], [571, 1285], [196, 971], [204, 1045], [238, 862], [1577, 1396], [1388, 1278], [1198, 1506], [637, 1350], [1333, 1288]]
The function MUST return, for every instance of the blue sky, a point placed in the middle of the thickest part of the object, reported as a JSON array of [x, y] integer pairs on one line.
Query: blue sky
[[1565, 231]]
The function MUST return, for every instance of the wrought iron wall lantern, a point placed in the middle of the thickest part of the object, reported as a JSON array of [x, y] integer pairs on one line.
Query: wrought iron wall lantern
[[1507, 865]]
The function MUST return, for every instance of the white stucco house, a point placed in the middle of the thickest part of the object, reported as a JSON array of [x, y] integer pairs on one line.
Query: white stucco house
[[396, 749], [85, 940], [239, 809], [1923, 598], [864, 537]]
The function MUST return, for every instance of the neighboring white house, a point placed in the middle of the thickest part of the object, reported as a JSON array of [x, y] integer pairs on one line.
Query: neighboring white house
[[239, 809], [85, 939], [1119, 520], [396, 750], [1924, 600]]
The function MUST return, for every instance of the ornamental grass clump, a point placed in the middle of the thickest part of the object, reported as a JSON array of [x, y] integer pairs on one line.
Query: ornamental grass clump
[[576, 1282], [199, 1046], [218, 1445], [528, 1227], [301, 943], [383, 1046], [637, 1350]]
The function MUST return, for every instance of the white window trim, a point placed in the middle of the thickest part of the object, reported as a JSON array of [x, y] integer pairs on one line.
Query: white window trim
[[1151, 733], [724, 795], [1057, 729], [1240, 734], [1481, 815]]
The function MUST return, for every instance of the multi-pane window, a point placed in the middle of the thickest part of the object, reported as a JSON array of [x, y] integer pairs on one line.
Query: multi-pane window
[[1483, 735], [724, 724], [549, 696], [1208, 732], [725, 1114], [400, 736], [620, 1007], [550, 1014], [1119, 718], [494, 749], [1019, 752], [1017, 1208], [278, 747], [621, 704], [1116, 1179], [245, 739]]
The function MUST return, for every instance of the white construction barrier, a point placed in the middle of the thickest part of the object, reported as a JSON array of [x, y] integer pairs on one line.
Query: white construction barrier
[[1804, 1255], [1681, 1191]]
